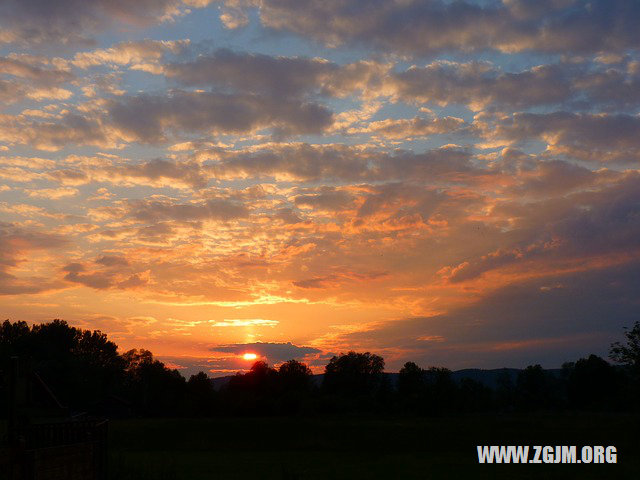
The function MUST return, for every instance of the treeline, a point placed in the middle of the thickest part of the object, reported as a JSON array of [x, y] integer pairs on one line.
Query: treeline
[[87, 374]]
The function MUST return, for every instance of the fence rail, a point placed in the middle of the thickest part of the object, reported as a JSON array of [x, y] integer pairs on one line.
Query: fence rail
[[75, 450]]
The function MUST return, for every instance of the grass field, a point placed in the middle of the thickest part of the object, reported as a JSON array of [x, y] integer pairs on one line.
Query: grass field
[[364, 448]]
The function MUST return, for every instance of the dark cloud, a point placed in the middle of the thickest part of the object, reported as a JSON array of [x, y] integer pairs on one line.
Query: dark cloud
[[336, 279], [274, 352], [154, 211], [585, 224], [426, 27], [70, 128], [112, 260], [479, 85], [265, 74], [150, 119], [113, 274], [15, 243], [555, 319], [590, 137], [325, 198], [170, 172], [76, 274], [43, 22], [342, 162], [34, 69], [408, 128]]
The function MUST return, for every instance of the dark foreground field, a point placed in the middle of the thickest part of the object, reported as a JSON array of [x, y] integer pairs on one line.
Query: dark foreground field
[[362, 447]]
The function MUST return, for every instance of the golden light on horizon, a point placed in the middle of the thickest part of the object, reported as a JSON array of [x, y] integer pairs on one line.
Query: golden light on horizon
[[249, 356]]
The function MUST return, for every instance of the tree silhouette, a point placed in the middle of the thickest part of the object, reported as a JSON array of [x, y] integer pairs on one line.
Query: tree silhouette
[[592, 384], [536, 389], [353, 373], [201, 397], [628, 355], [155, 389], [411, 379], [294, 376]]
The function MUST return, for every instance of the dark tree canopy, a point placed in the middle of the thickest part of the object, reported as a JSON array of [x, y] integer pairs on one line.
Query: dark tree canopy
[[294, 375], [88, 374], [592, 383], [353, 373], [411, 379], [628, 354]]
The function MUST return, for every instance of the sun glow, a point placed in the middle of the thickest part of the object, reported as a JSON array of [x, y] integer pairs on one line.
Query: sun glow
[[249, 356]]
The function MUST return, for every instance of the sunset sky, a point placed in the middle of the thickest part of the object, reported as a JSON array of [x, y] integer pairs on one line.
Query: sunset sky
[[454, 183]]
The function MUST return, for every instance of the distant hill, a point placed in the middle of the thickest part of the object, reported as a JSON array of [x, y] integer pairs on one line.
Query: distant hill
[[488, 378]]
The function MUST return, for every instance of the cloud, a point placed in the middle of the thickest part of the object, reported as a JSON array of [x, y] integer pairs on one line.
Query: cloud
[[406, 128], [112, 261], [113, 272], [41, 22], [69, 128], [53, 193], [153, 211], [524, 322], [274, 352], [337, 279], [583, 225], [17, 242], [31, 77], [156, 172], [75, 273], [243, 322], [480, 84], [325, 199], [150, 119], [340, 162], [142, 55], [40, 70], [428, 27], [583, 136], [278, 76]]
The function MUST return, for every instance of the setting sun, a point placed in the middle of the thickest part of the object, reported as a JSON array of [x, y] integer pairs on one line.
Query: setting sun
[[249, 356]]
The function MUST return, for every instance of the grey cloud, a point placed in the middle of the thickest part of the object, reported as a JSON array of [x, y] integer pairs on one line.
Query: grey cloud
[[149, 118], [336, 279], [288, 216], [114, 269], [406, 128], [25, 76], [479, 85], [342, 162], [16, 242], [97, 280], [317, 282], [33, 69], [426, 27], [255, 73], [582, 225], [275, 75], [158, 233], [557, 318], [274, 352], [133, 281], [112, 260], [43, 22], [174, 172], [71, 128], [554, 177], [325, 198], [591, 137], [153, 211]]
